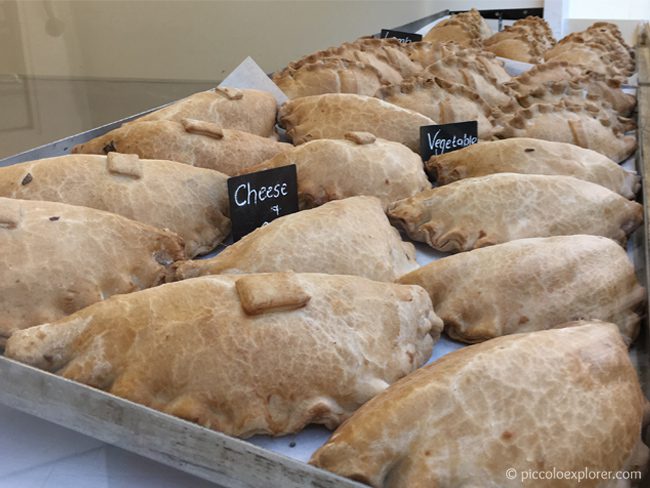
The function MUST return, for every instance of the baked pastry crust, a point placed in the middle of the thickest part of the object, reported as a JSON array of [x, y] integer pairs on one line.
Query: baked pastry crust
[[329, 75], [360, 164], [585, 124], [591, 88], [192, 202], [533, 156], [533, 284], [442, 101], [526, 40], [350, 236], [566, 399], [427, 53], [469, 71], [478, 212], [387, 56], [58, 258], [590, 55], [314, 348], [189, 141], [543, 73], [230, 108], [468, 29], [609, 52], [332, 115]]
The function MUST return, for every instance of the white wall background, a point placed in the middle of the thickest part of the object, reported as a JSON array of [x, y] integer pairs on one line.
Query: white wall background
[[609, 9], [190, 39]]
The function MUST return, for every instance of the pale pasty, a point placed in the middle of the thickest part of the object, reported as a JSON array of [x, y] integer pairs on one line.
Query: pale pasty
[[442, 101], [551, 71], [533, 284], [329, 75], [192, 202], [478, 212], [360, 164], [387, 56], [526, 40], [427, 53], [466, 28], [566, 400], [248, 110], [483, 59], [533, 156], [350, 236], [592, 88], [58, 258], [609, 35], [590, 55], [467, 70], [189, 141], [260, 354], [332, 115], [617, 57], [585, 125], [522, 47]]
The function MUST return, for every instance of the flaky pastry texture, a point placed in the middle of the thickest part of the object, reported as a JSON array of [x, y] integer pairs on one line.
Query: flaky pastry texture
[[533, 284], [349, 236], [487, 210], [192, 202], [245, 355], [563, 400], [533, 156], [58, 258], [248, 110], [360, 164], [190, 141]]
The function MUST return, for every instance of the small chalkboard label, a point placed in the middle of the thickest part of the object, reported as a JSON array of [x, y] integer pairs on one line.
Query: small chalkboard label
[[440, 139], [404, 37], [258, 198]]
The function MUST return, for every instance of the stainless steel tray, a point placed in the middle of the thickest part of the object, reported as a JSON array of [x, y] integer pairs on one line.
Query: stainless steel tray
[[211, 455]]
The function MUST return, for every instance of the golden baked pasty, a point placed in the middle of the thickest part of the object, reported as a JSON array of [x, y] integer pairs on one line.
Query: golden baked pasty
[[468, 29], [593, 88], [350, 236], [551, 71], [479, 212], [329, 75], [360, 164], [526, 40], [485, 60], [442, 101], [600, 48], [332, 115], [192, 202], [245, 355], [58, 258], [590, 55], [533, 284], [567, 400], [248, 110], [533, 156], [189, 141], [468, 70], [586, 125], [387, 56]]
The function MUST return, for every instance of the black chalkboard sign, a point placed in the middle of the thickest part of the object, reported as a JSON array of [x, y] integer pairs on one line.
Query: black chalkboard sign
[[440, 139], [404, 37], [258, 198]]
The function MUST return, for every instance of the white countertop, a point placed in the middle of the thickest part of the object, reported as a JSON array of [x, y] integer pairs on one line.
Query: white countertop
[[35, 453]]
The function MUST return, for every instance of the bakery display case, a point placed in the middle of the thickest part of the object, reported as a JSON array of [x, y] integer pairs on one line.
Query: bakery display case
[[320, 363]]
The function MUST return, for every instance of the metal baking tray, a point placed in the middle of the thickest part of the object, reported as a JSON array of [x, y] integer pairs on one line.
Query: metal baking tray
[[261, 461]]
